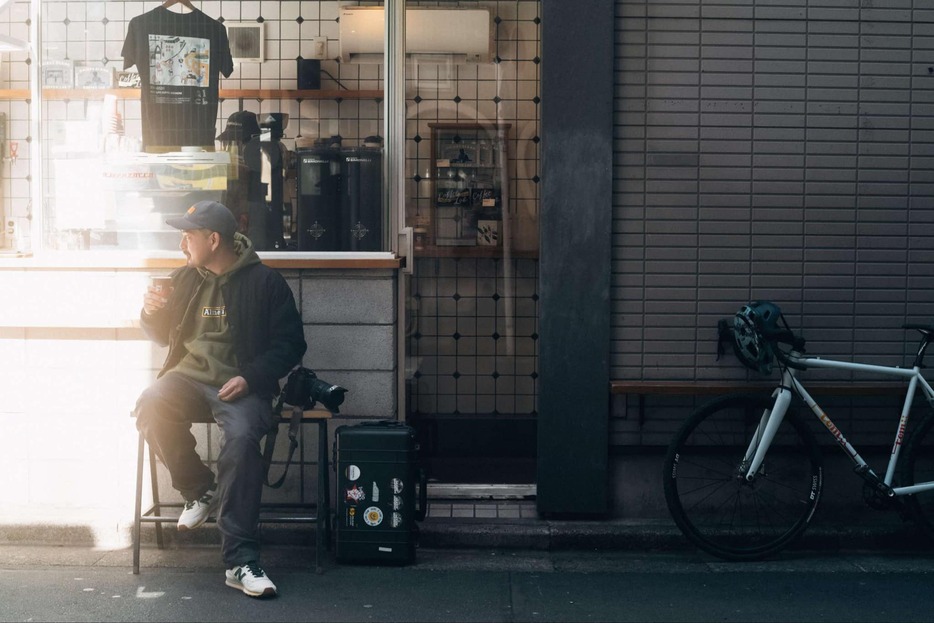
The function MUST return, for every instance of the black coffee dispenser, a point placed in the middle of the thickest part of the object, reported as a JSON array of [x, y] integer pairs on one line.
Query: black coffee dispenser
[[340, 196], [319, 196], [362, 197]]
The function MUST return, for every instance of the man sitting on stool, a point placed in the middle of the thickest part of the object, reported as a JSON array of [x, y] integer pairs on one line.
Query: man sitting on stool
[[233, 331]]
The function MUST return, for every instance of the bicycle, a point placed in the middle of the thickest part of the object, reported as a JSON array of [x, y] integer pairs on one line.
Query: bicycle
[[743, 475]]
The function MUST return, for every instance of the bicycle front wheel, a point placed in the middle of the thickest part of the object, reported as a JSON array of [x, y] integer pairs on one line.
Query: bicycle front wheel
[[712, 502]]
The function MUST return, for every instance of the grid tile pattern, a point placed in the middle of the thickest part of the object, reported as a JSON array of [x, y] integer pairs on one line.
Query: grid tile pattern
[[14, 74], [474, 336]]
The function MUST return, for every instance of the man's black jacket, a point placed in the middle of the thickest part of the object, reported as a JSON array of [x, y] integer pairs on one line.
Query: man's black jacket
[[265, 325]]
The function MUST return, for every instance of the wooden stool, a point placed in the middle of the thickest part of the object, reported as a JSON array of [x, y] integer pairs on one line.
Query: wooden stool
[[288, 512]]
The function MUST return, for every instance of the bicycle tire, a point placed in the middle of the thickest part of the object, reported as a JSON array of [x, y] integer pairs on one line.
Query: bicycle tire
[[719, 511], [918, 466]]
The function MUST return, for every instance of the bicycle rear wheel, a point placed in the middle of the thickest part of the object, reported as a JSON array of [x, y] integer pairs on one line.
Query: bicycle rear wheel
[[715, 507], [918, 467]]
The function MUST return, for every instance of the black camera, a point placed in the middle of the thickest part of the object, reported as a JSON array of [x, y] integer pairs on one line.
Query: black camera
[[303, 388]]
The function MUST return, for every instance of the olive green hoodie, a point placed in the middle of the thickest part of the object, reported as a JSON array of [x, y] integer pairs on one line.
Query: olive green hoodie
[[209, 351]]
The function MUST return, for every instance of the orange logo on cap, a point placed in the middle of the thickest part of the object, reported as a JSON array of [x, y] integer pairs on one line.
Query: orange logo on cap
[[191, 209]]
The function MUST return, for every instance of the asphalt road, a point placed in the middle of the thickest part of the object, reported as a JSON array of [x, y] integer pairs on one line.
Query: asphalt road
[[64, 584]]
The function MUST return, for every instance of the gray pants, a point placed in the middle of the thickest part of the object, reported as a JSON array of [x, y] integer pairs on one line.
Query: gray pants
[[164, 414]]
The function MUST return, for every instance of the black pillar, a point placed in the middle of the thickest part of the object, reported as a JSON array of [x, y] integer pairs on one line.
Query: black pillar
[[576, 221]]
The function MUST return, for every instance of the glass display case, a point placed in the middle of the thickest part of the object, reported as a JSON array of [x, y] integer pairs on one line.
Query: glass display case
[[469, 197], [121, 200]]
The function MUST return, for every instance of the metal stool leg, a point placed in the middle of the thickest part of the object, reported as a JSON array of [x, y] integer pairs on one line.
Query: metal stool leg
[[156, 504], [137, 518]]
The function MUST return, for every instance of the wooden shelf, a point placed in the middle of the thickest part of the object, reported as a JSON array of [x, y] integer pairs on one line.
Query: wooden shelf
[[15, 94], [131, 94], [474, 251], [298, 94]]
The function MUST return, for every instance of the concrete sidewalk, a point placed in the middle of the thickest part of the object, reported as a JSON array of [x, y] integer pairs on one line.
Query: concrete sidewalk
[[873, 532], [867, 531], [523, 568], [445, 585]]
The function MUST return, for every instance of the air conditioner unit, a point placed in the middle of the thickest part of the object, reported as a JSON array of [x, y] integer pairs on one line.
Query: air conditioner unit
[[461, 35]]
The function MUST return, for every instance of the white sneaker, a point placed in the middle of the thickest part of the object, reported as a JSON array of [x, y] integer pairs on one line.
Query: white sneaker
[[197, 511], [251, 579]]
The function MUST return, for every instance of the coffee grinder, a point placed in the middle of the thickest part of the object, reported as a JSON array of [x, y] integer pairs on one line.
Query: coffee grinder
[[267, 156]]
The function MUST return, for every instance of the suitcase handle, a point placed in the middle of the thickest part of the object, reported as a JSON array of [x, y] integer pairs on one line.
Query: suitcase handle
[[422, 509], [383, 423]]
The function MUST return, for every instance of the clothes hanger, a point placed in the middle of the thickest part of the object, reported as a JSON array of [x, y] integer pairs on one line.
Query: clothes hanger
[[184, 3]]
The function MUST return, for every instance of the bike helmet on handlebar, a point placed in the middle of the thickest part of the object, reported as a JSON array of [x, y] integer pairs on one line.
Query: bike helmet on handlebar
[[749, 325]]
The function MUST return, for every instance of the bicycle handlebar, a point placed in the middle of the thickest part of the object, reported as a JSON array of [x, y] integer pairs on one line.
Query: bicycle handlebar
[[775, 336], [785, 336]]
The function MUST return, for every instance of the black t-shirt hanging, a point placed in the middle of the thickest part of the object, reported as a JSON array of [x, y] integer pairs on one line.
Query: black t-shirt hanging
[[180, 57]]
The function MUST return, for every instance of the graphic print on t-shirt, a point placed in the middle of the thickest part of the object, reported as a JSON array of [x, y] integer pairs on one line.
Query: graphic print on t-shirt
[[180, 57], [179, 61]]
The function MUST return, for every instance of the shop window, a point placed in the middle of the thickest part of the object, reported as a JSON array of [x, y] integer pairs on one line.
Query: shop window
[[251, 108]]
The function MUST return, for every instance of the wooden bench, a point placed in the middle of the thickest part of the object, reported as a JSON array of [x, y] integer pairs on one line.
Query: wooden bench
[[296, 512], [641, 389]]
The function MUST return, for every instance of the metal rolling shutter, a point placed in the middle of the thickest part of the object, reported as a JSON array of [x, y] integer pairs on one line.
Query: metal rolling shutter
[[777, 150]]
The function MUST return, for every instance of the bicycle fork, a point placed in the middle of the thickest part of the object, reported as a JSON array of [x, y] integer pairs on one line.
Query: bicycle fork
[[765, 431], [783, 396]]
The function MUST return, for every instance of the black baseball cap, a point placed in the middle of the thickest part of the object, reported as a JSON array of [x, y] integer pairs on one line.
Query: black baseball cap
[[241, 127], [209, 215]]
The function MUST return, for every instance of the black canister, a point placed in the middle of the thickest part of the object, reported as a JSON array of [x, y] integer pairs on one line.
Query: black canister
[[362, 199], [319, 198]]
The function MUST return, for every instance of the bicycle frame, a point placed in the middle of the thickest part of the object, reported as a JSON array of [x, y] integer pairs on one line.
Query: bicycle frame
[[771, 420]]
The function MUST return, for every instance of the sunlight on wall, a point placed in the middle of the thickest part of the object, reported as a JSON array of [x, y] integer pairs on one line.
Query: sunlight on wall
[[72, 363]]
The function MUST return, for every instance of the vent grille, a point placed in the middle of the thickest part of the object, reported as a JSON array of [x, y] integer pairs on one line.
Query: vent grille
[[247, 41]]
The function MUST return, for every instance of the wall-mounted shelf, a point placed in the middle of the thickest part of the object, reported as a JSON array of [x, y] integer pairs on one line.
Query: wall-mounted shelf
[[15, 94], [130, 94], [298, 94]]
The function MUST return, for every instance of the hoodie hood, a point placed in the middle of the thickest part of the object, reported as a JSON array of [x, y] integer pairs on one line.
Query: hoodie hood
[[246, 256]]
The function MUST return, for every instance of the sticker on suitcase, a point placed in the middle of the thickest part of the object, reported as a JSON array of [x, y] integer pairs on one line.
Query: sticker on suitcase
[[354, 495], [373, 516], [352, 472], [396, 484]]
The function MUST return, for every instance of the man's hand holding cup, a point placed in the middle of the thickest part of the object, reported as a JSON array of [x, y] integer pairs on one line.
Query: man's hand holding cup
[[157, 295]]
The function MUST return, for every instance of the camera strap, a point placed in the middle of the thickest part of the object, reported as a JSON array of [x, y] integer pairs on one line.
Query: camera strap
[[294, 423]]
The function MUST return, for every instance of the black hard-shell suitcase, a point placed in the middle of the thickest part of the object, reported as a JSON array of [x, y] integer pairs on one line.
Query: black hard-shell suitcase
[[377, 477]]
